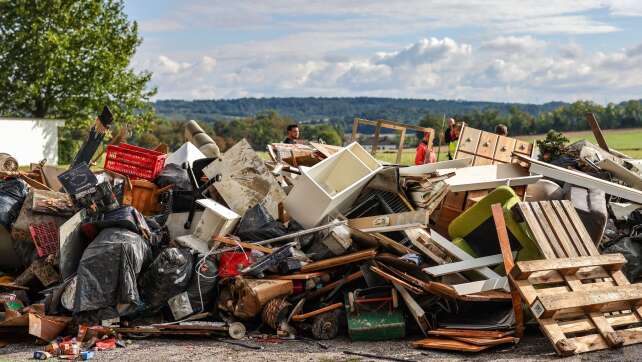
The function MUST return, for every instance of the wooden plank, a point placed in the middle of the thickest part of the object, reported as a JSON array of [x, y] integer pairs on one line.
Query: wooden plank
[[611, 262], [470, 333], [562, 345], [447, 344], [569, 228], [393, 279], [330, 286], [605, 300], [420, 239], [456, 252], [462, 266], [391, 228], [232, 242], [509, 264], [488, 341], [560, 232], [565, 288], [375, 141], [331, 307], [582, 179], [585, 325], [579, 227], [594, 342], [482, 286], [403, 218], [402, 138], [339, 260], [549, 235], [414, 308], [355, 127], [597, 131], [540, 239], [299, 276]]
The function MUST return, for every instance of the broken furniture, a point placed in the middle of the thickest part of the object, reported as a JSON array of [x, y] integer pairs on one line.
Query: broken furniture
[[144, 196], [489, 148], [195, 134], [591, 284], [473, 230], [331, 185], [216, 220], [389, 125]]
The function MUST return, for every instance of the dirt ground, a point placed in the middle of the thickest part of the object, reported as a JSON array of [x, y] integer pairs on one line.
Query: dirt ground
[[534, 347]]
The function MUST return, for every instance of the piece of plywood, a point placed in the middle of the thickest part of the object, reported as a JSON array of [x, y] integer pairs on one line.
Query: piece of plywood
[[246, 181], [447, 344]]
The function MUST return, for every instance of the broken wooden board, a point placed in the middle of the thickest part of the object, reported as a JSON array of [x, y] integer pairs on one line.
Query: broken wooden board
[[339, 260], [414, 308], [469, 333], [403, 218], [500, 283], [581, 179], [47, 328], [246, 181], [489, 148], [447, 344]]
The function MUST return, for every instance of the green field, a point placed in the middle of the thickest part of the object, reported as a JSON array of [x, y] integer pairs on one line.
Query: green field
[[628, 141]]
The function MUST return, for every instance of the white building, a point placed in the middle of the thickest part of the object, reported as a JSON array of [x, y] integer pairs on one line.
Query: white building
[[30, 139]]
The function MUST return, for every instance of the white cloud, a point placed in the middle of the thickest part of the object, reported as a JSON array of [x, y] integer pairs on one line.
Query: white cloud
[[513, 44], [425, 51], [165, 65]]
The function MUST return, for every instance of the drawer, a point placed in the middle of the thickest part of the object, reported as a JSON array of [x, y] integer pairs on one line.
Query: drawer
[[504, 149], [523, 147], [480, 161], [469, 139], [455, 200], [487, 143], [464, 155]]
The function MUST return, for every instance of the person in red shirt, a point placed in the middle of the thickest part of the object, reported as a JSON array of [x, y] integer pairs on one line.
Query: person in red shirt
[[425, 153]]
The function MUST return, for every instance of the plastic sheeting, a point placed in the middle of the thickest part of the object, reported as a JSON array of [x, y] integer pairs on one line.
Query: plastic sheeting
[[12, 194], [631, 248], [168, 275], [109, 269]]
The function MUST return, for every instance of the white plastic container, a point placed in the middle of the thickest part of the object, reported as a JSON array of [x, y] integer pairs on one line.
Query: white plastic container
[[331, 185], [217, 220]]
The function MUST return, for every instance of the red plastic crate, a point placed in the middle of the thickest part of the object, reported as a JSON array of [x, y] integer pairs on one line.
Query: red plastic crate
[[46, 238], [133, 161]]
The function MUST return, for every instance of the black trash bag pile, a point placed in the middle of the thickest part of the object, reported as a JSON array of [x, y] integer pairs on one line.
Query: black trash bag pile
[[12, 194], [257, 224], [168, 275], [108, 272]]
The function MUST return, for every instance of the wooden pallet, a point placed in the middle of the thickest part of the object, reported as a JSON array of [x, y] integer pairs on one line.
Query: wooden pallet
[[488, 148], [582, 300]]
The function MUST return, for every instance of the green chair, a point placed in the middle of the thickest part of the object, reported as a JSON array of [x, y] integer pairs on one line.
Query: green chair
[[474, 230]]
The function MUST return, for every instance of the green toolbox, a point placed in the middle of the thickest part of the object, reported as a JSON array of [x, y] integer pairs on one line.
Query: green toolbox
[[373, 314]]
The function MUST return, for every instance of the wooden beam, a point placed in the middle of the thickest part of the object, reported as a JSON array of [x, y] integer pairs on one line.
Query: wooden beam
[[597, 131], [414, 308], [402, 218], [339, 260], [244, 245], [402, 138], [509, 264], [567, 266], [606, 300], [581, 179], [375, 141], [331, 307], [355, 127]]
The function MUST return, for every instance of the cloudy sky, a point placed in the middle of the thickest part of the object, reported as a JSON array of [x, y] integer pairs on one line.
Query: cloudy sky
[[521, 50]]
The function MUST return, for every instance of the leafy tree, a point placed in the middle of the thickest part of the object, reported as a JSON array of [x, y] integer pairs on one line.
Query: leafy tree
[[66, 59], [321, 132]]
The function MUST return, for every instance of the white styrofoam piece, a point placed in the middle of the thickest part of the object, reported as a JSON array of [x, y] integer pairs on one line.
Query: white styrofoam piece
[[330, 185], [419, 170], [186, 153], [489, 176]]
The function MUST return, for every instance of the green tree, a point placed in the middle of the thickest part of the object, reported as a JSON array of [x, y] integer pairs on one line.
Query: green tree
[[66, 59], [321, 132]]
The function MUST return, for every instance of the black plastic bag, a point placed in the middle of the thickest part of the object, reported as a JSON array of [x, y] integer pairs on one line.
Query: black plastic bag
[[168, 275], [125, 217], [631, 248], [202, 287], [12, 194], [257, 224], [175, 175], [109, 269]]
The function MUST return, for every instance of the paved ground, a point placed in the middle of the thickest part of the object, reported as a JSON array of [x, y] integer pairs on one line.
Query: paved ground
[[533, 347]]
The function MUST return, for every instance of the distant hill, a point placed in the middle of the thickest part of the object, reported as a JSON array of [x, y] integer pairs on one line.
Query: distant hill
[[312, 109]]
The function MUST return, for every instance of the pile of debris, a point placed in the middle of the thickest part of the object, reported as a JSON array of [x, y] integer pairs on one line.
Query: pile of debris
[[322, 241]]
